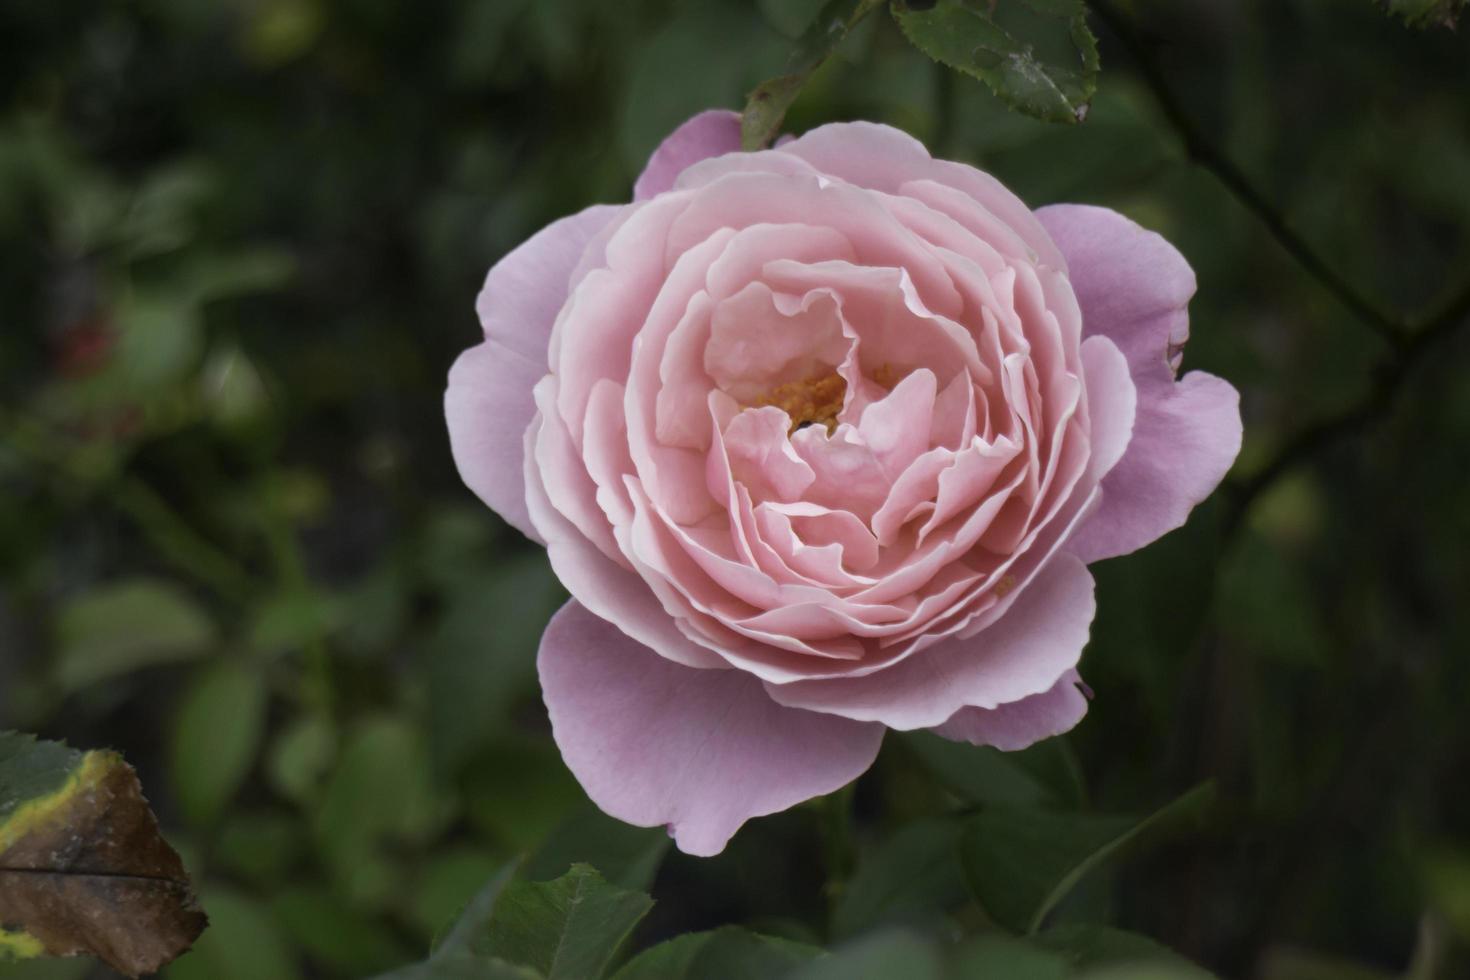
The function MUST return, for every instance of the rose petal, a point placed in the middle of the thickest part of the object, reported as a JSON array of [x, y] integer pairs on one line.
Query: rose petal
[[1112, 402], [527, 288], [700, 751], [608, 589], [488, 405], [1014, 726], [1023, 653], [709, 134], [883, 158], [1133, 287]]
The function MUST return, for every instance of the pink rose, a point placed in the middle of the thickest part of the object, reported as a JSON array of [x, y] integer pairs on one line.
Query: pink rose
[[821, 440]]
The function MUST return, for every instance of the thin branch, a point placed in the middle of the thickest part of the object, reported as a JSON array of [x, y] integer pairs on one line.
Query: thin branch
[[1409, 340], [1391, 327], [1388, 381]]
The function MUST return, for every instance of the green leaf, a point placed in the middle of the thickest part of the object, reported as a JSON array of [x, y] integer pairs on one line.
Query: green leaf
[[83, 868], [212, 277], [727, 953], [261, 847], [454, 958], [1037, 55], [244, 942], [1008, 957], [481, 658], [1283, 962], [290, 620], [232, 388], [791, 17], [1095, 947], [1163, 971], [1021, 862], [162, 214], [882, 957], [447, 881], [161, 339], [627, 856], [471, 919], [378, 793], [44, 969], [517, 788], [1445, 870], [301, 756], [463, 968], [913, 879], [766, 107], [127, 626], [333, 935], [1044, 774], [216, 737], [567, 929]]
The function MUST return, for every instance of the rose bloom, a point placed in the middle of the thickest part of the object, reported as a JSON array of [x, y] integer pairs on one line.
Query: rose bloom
[[821, 440]]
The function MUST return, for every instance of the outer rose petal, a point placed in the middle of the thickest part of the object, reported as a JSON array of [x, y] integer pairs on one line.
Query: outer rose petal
[[488, 405], [1038, 640], [709, 134], [527, 288], [700, 751], [1134, 287], [1015, 726]]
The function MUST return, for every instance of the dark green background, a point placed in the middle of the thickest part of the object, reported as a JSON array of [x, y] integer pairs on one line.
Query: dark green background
[[239, 246]]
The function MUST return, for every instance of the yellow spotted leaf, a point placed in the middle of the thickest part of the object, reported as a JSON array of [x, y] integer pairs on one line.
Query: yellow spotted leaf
[[83, 868]]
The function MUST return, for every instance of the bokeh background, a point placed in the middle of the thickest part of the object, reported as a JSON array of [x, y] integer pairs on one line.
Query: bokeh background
[[240, 242]]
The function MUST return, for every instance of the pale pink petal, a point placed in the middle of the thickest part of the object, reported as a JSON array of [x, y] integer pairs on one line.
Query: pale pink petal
[[761, 457], [488, 405], [611, 591], [745, 259], [565, 476], [709, 134], [698, 751], [969, 481], [527, 288], [1023, 653], [1014, 726], [883, 158], [1185, 438], [896, 428], [1134, 288], [848, 475], [953, 425], [754, 345], [593, 337], [878, 239], [760, 162], [819, 527], [1112, 402]]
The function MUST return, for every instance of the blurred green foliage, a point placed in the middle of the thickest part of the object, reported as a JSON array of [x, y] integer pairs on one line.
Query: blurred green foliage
[[241, 243]]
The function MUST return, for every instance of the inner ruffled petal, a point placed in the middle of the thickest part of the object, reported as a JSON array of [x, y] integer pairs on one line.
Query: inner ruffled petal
[[759, 342], [762, 458]]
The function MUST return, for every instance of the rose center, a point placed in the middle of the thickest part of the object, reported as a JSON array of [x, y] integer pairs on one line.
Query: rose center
[[810, 402]]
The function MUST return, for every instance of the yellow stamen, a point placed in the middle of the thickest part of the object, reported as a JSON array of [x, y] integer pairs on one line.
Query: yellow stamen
[[813, 401]]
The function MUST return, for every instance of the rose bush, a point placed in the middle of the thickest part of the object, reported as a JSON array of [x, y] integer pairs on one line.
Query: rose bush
[[821, 440]]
